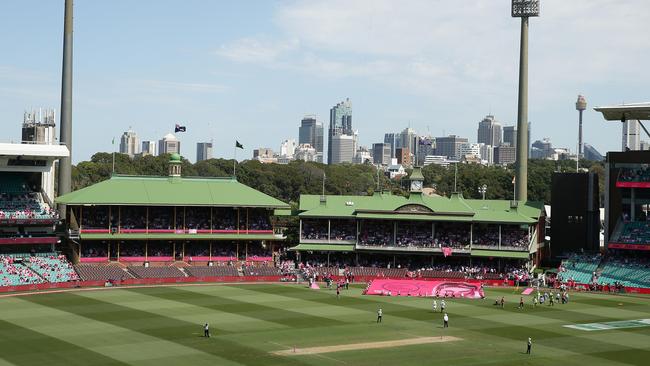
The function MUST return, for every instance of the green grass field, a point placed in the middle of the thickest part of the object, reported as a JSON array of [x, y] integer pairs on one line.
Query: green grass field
[[163, 326]]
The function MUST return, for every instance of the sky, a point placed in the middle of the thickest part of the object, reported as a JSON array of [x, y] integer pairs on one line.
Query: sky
[[250, 70]]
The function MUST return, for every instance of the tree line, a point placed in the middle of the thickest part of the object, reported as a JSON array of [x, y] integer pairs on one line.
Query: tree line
[[287, 181]]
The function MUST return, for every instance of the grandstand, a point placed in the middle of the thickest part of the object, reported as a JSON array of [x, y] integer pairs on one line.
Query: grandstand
[[28, 240], [138, 220], [420, 225]]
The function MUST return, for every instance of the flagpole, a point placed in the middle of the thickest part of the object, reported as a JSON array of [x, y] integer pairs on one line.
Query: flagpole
[[113, 172], [234, 164]]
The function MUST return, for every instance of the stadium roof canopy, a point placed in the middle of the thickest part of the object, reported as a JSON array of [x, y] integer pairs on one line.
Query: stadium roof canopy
[[46, 151], [171, 191], [640, 111], [384, 206]]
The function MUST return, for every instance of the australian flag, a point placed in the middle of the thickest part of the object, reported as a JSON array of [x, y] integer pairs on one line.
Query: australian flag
[[179, 128]]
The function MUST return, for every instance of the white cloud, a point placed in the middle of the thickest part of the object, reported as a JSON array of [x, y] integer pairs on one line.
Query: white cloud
[[453, 42], [256, 50]]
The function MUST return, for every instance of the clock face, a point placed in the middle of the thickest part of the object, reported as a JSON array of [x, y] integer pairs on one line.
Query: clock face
[[416, 185]]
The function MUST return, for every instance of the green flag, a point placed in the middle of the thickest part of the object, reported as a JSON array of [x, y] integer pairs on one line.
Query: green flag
[[237, 144], [113, 142]]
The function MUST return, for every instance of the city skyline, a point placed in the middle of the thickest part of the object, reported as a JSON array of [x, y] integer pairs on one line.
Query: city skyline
[[226, 81]]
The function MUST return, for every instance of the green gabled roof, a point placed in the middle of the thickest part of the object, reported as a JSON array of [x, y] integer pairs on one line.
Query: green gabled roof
[[387, 206], [499, 211], [347, 206], [166, 191]]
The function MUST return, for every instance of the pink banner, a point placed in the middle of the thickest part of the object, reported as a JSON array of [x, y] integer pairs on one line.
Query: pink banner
[[35, 240], [418, 288], [93, 259], [224, 259], [620, 184], [628, 246], [527, 291], [205, 258], [147, 259], [259, 259]]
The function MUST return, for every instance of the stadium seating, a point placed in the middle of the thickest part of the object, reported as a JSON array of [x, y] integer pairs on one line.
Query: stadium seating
[[640, 174], [636, 232], [214, 271], [18, 201], [441, 274], [101, 272], [53, 268], [155, 272], [376, 271], [260, 271], [14, 273], [628, 274], [579, 268]]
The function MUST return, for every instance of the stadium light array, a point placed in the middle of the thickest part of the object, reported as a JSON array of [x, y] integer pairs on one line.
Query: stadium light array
[[525, 8]]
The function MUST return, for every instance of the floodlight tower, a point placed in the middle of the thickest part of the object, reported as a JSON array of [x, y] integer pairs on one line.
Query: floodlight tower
[[581, 105], [523, 9], [65, 136]]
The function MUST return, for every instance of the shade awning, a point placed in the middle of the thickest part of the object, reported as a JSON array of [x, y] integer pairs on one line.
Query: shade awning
[[633, 111]]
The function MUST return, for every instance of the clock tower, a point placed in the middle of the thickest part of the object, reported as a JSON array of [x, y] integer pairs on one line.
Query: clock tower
[[417, 180]]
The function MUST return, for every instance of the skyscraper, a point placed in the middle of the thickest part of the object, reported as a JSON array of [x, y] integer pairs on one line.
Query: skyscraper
[[510, 135], [340, 125], [425, 146], [129, 143], [149, 148], [341, 148], [203, 151], [489, 131], [403, 156], [487, 154], [407, 139], [630, 140], [450, 146], [311, 132], [505, 154], [169, 145], [390, 138], [381, 153]]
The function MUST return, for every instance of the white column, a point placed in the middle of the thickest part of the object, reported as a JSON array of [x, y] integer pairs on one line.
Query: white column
[[499, 236]]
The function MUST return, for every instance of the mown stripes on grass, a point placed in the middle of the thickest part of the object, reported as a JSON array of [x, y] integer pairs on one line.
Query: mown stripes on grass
[[230, 305], [483, 326], [278, 316], [23, 346], [169, 329]]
